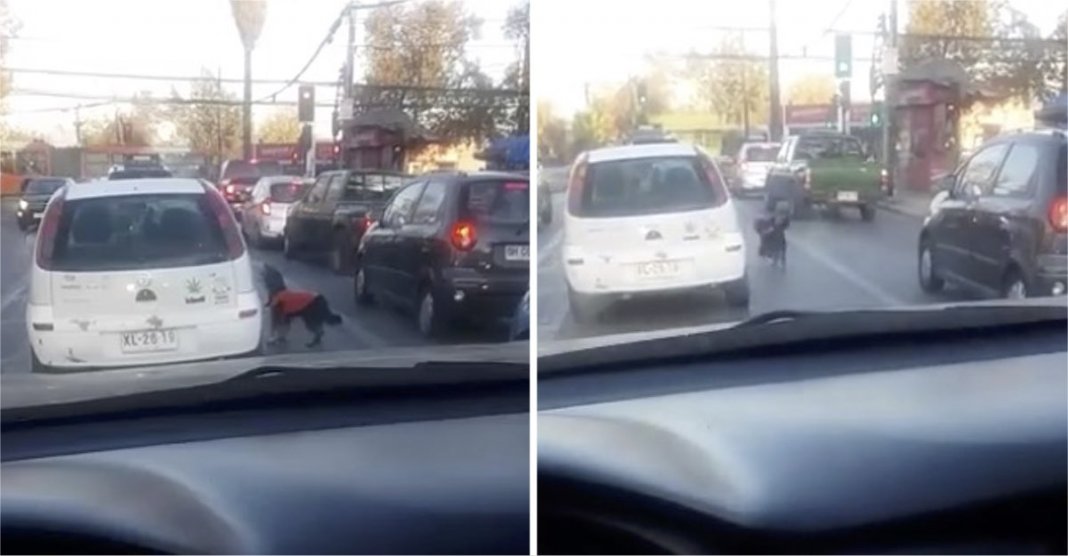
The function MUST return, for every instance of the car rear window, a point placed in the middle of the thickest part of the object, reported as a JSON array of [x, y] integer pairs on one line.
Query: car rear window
[[830, 146], [761, 154], [138, 174], [647, 186], [138, 232], [497, 200], [44, 187], [266, 168], [371, 187], [240, 168], [287, 192]]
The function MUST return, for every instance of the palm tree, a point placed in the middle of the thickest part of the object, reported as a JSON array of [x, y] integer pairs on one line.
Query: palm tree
[[249, 16]]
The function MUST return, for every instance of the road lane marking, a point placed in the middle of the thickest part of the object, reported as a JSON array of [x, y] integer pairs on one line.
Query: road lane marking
[[857, 280], [14, 296], [550, 245]]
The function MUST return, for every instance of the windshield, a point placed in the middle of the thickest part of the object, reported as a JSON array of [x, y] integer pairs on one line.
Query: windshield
[[288, 192], [761, 154], [268, 166], [44, 187], [498, 201], [640, 186], [137, 232]]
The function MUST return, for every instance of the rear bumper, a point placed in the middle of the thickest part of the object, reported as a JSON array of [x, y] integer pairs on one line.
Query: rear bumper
[[67, 347], [479, 297], [831, 198]]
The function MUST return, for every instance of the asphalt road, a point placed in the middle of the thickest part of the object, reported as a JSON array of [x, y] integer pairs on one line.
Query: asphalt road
[[362, 327], [833, 263]]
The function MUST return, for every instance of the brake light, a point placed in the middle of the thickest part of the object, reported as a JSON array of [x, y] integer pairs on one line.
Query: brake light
[[576, 183], [362, 224], [225, 216], [463, 236], [230, 190], [265, 208], [46, 236], [1058, 214]]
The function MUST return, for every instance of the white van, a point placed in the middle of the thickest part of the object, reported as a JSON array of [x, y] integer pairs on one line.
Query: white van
[[649, 218], [140, 272]]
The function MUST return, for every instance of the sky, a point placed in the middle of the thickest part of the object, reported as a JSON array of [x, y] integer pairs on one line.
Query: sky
[[603, 42], [179, 37]]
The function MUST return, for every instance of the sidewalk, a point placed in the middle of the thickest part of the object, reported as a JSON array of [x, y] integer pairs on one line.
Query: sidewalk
[[908, 202]]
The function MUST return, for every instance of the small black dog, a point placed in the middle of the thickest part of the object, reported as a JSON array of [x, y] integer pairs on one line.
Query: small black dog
[[287, 304], [772, 231]]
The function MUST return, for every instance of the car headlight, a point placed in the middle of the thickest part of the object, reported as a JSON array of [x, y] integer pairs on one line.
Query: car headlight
[[23, 204]]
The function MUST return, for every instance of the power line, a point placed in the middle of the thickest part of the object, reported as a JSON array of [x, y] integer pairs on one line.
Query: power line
[[137, 76], [827, 29], [61, 108]]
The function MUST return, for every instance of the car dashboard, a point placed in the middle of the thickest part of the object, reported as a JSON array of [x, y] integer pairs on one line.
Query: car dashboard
[[438, 474], [936, 446]]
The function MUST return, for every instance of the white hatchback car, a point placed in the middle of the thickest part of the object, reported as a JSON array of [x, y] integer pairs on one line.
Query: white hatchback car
[[649, 218], [264, 214], [140, 272]]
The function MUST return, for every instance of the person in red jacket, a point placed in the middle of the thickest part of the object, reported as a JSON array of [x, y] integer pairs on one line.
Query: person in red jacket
[[287, 304]]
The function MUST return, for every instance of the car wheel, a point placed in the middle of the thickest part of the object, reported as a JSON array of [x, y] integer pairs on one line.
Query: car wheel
[[584, 308], [359, 286], [867, 213], [1015, 287], [930, 281], [737, 293], [428, 315]]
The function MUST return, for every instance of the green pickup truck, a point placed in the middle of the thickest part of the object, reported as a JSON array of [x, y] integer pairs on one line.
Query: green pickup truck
[[825, 169]]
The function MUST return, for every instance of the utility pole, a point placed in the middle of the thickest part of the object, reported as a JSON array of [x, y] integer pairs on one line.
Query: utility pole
[[773, 72], [889, 82], [78, 124], [745, 93], [218, 124], [246, 116]]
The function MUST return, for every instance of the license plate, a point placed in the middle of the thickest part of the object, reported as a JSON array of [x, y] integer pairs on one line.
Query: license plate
[[847, 196], [658, 269], [517, 252], [141, 341]]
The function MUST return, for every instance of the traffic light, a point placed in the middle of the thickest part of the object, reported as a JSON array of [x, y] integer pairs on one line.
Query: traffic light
[[876, 117], [843, 56], [306, 104]]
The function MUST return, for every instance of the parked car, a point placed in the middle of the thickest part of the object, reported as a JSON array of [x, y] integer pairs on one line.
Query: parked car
[[450, 247], [236, 177], [1002, 227], [750, 173], [825, 168], [34, 197], [644, 219], [335, 213], [264, 213], [139, 272]]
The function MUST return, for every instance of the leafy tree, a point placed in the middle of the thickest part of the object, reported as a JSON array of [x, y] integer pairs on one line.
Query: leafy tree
[[9, 26], [249, 16], [811, 89], [517, 76], [552, 134], [209, 119], [728, 85], [1055, 66], [419, 44], [282, 126], [136, 125]]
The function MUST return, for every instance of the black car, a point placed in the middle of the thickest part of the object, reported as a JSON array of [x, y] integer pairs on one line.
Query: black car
[[450, 246], [1001, 227], [331, 218], [35, 195]]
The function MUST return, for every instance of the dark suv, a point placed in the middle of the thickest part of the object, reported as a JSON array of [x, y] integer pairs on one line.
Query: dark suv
[[1002, 227], [35, 195], [450, 246]]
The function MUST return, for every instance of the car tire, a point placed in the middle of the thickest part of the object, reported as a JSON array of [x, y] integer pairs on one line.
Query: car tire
[[926, 270], [867, 213], [584, 308], [429, 318], [340, 254], [1014, 286], [736, 293], [359, 286]]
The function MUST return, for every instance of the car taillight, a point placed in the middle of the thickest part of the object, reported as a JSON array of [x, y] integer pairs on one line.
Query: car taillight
[[225, 216], [463, 236], [575, 184], [1058, 214], [46, 235], [265, 208], [230, 189]]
